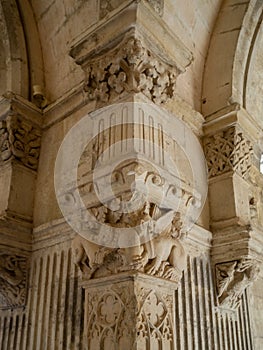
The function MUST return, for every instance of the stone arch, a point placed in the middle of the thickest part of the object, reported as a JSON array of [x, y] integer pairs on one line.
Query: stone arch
[[21, 63], [229, 54]]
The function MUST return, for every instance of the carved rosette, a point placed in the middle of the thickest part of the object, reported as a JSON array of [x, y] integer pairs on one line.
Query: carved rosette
[[232, 278], [129, 313], [19, 140], [130, 68], [13, 280], [228, 150]]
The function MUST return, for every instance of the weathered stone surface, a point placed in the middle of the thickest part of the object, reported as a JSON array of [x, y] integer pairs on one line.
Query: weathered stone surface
[[172, 287]]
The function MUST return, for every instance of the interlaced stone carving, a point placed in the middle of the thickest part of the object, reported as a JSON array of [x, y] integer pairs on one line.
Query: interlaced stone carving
[[12, 280], [228, 150], [19, 140], [130, 67], [232, 278]]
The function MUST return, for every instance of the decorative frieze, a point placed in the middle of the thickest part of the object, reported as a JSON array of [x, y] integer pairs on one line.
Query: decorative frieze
[[13, 276], [130, 67], [228, 150], [19, 140], [232, 278]]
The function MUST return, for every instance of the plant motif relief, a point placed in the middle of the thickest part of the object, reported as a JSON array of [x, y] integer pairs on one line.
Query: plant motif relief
[[131, 68], [19, 140]]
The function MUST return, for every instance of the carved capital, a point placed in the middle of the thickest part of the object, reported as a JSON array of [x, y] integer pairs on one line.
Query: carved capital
[[232, 278], [130, 67], [228, 150], [13, 279], [19, 140], [162, 256]]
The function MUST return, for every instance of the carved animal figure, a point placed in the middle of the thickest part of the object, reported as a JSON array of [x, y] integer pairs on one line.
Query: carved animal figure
[[233, 278], [95, 260], [165, 256]]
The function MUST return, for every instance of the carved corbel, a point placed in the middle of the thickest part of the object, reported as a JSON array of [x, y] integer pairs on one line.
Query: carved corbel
[[19, 140], [232, 278]]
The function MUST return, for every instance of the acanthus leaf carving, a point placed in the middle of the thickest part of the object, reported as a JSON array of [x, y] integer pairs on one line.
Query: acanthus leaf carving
[[228, 150], [19, 140], [13, 275], [130, 67], [232, 278]]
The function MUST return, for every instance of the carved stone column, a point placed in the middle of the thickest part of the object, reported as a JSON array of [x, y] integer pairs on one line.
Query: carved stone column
[[20, 135], [235, 202], [135, 186]]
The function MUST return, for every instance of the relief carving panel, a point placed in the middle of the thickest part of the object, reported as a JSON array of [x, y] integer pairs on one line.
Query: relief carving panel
[[232, 278], [13, 275], [228, 150], [19, 140], [129, 315], [130, 67], [163, 256]]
